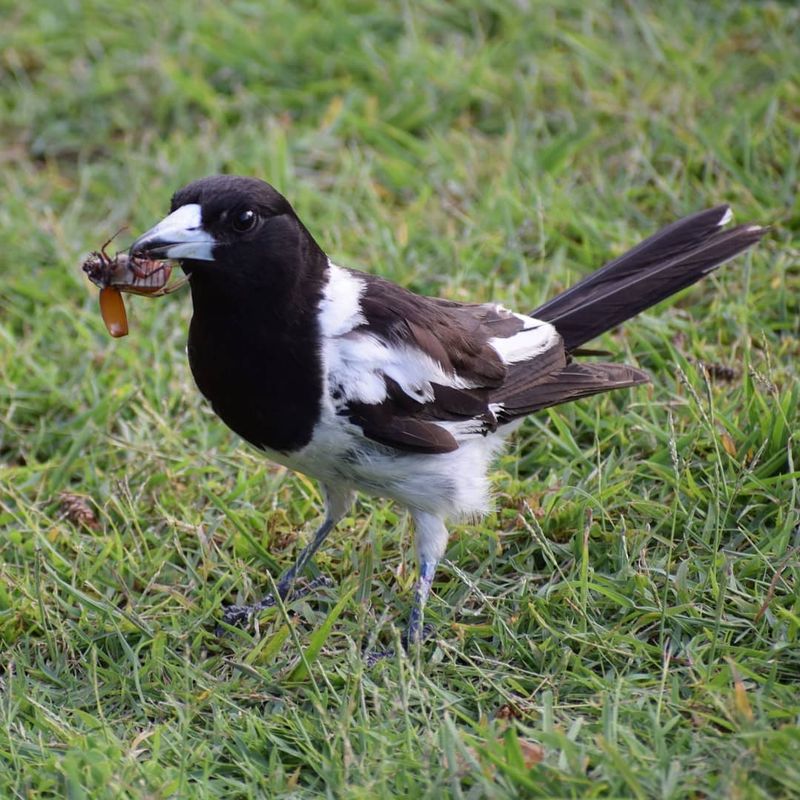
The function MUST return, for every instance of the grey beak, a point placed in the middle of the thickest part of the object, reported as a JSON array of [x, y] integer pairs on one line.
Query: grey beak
[[178, 236]]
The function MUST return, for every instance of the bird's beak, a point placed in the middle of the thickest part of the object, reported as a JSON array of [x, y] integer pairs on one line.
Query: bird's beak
[[180, 235]]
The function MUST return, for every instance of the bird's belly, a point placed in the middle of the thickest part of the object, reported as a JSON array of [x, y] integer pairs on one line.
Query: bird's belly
[[451, 484]]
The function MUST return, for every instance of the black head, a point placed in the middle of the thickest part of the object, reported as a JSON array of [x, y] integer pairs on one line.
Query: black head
[[256, 281], [228, 226]]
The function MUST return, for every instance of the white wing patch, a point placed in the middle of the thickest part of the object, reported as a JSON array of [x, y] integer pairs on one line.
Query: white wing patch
[[535, 338], [339, 309], [360, 361], [357, 363]]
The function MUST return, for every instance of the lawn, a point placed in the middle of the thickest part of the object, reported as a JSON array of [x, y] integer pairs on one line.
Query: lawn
[[625, 624]]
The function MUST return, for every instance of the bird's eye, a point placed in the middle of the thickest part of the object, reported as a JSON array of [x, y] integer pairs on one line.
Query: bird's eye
[[244, 221]]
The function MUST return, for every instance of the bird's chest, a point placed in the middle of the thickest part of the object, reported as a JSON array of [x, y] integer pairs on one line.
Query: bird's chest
[[265, 384]]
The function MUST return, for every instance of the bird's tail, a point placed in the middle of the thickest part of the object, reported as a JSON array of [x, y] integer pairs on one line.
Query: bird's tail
[[670, 260]]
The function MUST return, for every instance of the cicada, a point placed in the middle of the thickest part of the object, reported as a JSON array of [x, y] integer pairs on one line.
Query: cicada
[[122, 273]]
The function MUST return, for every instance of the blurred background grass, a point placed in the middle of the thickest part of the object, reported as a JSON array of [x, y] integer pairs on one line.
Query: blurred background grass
[[624, 625]]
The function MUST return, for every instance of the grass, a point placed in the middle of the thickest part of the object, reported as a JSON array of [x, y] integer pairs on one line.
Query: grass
[[624, 625]]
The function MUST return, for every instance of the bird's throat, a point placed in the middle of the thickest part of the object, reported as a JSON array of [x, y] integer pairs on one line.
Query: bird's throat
[[254, 352]]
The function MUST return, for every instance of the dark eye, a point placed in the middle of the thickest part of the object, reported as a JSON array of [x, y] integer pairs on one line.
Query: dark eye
[[244, 221]]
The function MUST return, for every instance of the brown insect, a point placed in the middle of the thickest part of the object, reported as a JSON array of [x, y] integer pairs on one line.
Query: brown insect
[[122, 273]]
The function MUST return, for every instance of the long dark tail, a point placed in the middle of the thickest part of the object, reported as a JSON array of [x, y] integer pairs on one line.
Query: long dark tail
[[670, 260]]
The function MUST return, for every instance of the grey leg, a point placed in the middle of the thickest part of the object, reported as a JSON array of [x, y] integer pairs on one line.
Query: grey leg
[[416, 631], [337, 501], [431, 541]]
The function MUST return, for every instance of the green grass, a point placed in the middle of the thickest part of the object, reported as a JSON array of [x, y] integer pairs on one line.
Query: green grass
[[630, 613]]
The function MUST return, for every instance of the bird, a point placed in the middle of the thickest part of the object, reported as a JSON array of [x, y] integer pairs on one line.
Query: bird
[[366, 386]]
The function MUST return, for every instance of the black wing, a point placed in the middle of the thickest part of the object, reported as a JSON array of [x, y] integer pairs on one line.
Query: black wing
[[443, 367]]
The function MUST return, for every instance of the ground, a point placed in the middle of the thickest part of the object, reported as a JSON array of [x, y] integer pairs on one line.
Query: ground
[[625, 624]]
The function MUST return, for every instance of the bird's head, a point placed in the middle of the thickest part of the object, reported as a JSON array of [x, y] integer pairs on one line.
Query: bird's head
[[230, 228]]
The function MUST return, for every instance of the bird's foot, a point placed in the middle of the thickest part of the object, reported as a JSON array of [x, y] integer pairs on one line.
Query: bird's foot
[[372, 657], [409, 638], [241, 615]]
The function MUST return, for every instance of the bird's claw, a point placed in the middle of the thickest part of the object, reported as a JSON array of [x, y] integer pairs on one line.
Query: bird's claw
[[416, 635], [372, 657], [237, 615], [320, 582], [240, 616]]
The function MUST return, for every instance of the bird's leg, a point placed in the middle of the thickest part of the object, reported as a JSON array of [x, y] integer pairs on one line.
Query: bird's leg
[[431, 540], [416, 631], [337, 501], [286, 581], [237, 615]]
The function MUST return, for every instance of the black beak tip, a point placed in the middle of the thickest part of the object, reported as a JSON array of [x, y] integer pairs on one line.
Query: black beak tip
[[153, 249], [137, 250]]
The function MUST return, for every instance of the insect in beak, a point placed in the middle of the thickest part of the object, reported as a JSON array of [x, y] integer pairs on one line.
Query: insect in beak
[[123, 273]]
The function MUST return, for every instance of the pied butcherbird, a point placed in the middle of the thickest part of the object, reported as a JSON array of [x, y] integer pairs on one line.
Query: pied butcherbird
[[364, 385]]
